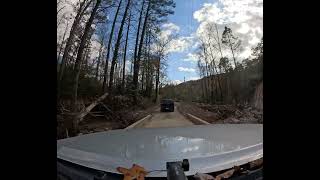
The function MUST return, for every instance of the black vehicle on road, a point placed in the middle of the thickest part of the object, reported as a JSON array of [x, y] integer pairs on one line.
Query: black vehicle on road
[[167, 105]]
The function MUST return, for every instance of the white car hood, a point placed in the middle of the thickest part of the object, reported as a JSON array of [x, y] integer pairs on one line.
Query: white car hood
[[208, 148]]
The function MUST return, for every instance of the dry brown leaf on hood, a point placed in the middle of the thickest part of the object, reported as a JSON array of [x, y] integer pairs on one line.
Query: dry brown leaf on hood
[[228, 173], [202, 176], [135, 172]]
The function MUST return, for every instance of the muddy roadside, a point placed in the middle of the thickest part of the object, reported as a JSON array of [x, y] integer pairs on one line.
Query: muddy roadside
[[222, 114]]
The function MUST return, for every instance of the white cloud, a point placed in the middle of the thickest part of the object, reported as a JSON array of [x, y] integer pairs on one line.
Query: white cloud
[[180, 44], [244, 28], [191, 57], [254, 40], [195, 45], [183, 69], [193, 78], [244, 17], [209, 12], [245, 53], [176, 82], [177, 44], [171, 26], [168, 30]]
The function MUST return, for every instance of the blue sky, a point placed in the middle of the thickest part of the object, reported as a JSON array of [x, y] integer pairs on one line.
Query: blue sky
[[244, 17], [183, 17]]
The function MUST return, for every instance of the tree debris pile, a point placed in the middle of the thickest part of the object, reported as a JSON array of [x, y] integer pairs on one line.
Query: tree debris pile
[[64, 117], [115, 112], [234, 114], [222, 114], [202, 113]]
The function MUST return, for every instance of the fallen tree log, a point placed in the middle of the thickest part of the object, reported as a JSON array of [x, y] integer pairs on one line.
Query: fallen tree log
[[83, 113], [106, 107]]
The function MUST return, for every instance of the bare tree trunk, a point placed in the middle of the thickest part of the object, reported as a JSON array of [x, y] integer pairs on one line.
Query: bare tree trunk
[[144, 65], [120, 66], [157, 80], [142, 75], [220, 50], [108, 49], [214, 68], [148, 64], [83, 7], [219, 45], [81, 52], [202, 85], [149, 80], [206, 73], [234, 59], [217, 87], [201, 74], [79, 59], [137, 62], [138, 33], [85, 58], [150, 69], [102, 65], [115, 54], [207, 83], [125, 54], [99, 58], [114, 78], [131, 67], [212, 82], [213, 85], [87, 49], [73, 57], [62, 42]]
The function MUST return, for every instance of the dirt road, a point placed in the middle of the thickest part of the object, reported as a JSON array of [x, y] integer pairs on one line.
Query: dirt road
[[167, 119]]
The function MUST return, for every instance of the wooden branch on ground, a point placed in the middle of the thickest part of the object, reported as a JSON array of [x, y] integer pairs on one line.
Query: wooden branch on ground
[[97, 112], [106, 107], [91, 114], [62, 107], [95, 115], [84, 112], [65, 109]]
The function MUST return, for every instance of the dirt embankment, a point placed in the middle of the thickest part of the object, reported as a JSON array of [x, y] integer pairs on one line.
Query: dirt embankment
[[127, 117], [217, 114], [203, 114]]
